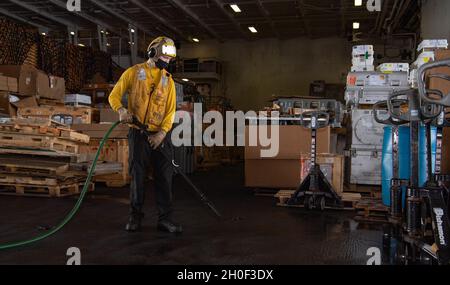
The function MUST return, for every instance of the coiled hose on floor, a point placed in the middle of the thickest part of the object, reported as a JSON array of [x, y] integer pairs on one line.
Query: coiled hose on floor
[[75, 208]]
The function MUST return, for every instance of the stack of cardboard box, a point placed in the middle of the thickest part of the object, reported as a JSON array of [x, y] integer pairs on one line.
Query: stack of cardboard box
[[286, 169], [24, 85]]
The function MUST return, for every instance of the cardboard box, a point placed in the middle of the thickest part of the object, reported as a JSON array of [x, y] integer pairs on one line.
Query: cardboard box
[[393, 67], [8, 84], [288, 173], [55, 88], [439, 84], [13, 86], [433, 44], [3, 83], [108, 115], [26, 102], [6, 108], [34, 82], [293, 141], [272, 173], [31, 81], [78, 99]]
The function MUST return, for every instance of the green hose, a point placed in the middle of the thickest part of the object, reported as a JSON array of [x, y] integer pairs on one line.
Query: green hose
[[75, 209]]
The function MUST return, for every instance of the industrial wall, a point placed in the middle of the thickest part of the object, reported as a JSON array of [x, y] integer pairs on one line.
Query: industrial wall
[[256, 70], [435, 19]]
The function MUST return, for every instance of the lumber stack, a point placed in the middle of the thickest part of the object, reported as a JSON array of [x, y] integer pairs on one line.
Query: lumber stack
[[16, 42], [77, 65], [35, 158]]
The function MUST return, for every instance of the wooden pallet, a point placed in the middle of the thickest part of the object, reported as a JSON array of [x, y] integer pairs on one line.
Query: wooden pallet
[[72, 157], [79, 115], [42, 179], [42, 127], [30, 129], [8, 139], [367, 190], [349, 200], [43, 190], [50, 102], [372, 210], [28, 165]]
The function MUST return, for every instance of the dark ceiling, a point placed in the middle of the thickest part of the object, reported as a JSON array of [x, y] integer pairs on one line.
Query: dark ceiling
[[214, 19]]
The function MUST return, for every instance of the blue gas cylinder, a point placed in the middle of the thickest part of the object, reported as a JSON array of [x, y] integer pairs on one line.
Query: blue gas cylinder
[[404, 158]]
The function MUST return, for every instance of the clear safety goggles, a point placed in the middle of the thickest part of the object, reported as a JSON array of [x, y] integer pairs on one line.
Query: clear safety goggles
[[169, 50]]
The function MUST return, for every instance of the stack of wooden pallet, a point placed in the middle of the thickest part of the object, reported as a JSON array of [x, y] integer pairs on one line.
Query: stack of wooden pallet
[[114, 152], [35, 156]]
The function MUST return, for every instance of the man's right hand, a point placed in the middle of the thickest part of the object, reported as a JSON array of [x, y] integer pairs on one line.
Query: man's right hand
[[124, 116]]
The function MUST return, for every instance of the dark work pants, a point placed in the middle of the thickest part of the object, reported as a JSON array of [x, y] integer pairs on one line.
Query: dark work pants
[[142, 156]]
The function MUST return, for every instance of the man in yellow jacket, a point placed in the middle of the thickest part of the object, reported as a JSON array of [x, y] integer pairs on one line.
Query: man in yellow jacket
[[152, 100]]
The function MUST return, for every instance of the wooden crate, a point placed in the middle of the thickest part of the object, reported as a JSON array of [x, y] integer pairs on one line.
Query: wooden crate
[[36, 141], [115, 150], [335, 161], [29, 165], [79, 115], [372, 210], [29, 190]]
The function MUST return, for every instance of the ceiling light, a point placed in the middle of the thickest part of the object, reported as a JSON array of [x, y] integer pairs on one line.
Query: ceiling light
[[81, 45], [358, 2], [196, 40], [132, 30], [108, 44], [107, 33], [355, 25], [185, 79], [252, 29], [43, 34], [235, 8], [102, 31], [72, 33]]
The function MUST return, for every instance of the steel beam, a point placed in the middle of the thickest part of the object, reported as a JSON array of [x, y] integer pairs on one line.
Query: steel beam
[[44, 13], [192, 15], [267, 17], [176, 31], [21, 19], [301, 9], [122, 17], [87, 17], [220, 4]]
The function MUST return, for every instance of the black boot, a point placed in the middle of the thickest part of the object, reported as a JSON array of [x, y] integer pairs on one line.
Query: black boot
[[168, 226], [134, 222]]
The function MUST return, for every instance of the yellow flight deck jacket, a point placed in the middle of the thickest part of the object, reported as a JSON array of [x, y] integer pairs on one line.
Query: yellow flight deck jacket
[[151, 96]]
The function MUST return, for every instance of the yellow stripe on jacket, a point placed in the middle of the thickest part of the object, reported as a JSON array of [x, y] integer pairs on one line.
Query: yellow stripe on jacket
[[151, 96]]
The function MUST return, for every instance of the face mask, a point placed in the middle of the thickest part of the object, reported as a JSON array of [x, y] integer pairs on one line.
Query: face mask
[[161, 64]]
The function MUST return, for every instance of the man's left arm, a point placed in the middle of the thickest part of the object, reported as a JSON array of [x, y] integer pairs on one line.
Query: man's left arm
[[171, 105]]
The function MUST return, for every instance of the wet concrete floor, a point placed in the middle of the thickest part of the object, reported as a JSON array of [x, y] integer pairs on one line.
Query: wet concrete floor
[[254, 230]]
